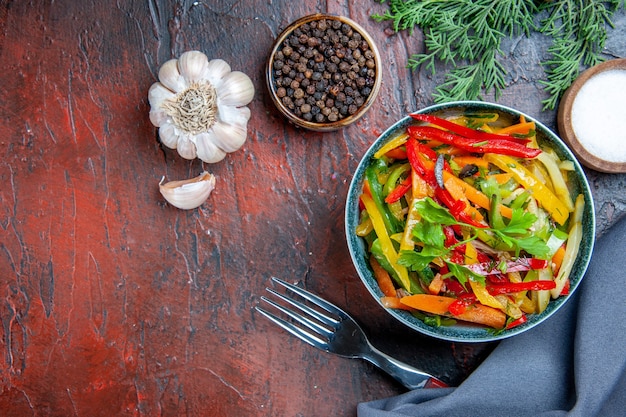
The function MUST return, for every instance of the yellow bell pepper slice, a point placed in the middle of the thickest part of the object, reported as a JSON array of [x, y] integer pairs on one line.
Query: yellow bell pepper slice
[[546, 198], [479, 289], [558, 181], [385, 240], [392, 144]]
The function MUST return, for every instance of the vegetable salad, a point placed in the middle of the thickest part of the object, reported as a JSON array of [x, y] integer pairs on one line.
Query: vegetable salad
[[467, 219]]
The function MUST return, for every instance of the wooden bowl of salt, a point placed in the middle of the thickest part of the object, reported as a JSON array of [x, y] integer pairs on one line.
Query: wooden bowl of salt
[[592, 117]]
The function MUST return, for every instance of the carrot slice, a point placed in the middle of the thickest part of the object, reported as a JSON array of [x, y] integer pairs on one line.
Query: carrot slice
[[396, 153], [463, 160], [501, 178], [557, 259], [457, 192], [435, 285], [394, 302], [476, 196], [383, 278], [523, 128], [419, 187], [489, 316], [437, 304], [434, 304]]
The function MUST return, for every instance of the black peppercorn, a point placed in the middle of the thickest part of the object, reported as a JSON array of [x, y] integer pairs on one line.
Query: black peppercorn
[[323, 71], [287, 102]]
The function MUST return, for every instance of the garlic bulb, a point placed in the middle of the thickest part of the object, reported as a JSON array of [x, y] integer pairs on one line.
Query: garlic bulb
[[188, 194], [199, 106]]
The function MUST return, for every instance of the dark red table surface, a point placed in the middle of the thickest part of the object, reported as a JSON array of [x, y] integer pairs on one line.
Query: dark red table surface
[[112, 302]]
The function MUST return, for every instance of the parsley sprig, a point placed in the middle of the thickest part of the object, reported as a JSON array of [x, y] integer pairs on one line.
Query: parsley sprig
[[467, 34], [429, 232]]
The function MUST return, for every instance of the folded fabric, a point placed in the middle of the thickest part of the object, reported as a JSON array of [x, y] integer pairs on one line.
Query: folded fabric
[[573, 364]]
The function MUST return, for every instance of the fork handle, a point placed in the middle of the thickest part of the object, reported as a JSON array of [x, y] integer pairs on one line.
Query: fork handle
[[407, 375]]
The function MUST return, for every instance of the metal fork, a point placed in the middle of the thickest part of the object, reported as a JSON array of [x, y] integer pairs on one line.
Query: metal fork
[[331, 329]]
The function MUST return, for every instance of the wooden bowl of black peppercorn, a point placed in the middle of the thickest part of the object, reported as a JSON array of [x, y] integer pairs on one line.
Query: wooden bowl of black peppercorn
[[323, 72]]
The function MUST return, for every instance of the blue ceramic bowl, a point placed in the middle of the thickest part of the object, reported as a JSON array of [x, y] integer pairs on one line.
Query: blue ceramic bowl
[[467, 332]]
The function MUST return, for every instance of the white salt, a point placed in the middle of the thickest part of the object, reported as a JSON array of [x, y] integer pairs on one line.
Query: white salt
[[599, 115]]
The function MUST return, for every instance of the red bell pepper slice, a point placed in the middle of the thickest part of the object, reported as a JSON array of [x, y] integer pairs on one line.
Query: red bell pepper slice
[[473, 145], [400, 190], [451, 240], [459, 305], [512, 287], [452, 285], [456, 207], [412, 152], [462, 130], [457, 257], [428, 152], [521, 320], [535, 263], [497, 278], [450, 237]]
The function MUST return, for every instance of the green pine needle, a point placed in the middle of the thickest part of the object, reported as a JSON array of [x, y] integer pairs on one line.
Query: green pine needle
[[467, 34]]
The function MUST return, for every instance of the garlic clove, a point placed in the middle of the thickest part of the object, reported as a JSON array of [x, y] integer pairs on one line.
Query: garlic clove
[[168, 135], [158, 117], [228, 137], [192, 65], [186, 147], [171, 78], [157, 94], [234, 115], [236, 90], [206, 149], [217, 69], [188, 194]]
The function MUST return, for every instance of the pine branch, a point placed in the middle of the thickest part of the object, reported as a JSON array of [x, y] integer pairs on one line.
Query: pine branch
[[467, 34]]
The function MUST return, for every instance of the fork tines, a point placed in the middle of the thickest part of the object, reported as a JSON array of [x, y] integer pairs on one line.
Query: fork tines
[[316, 325]]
